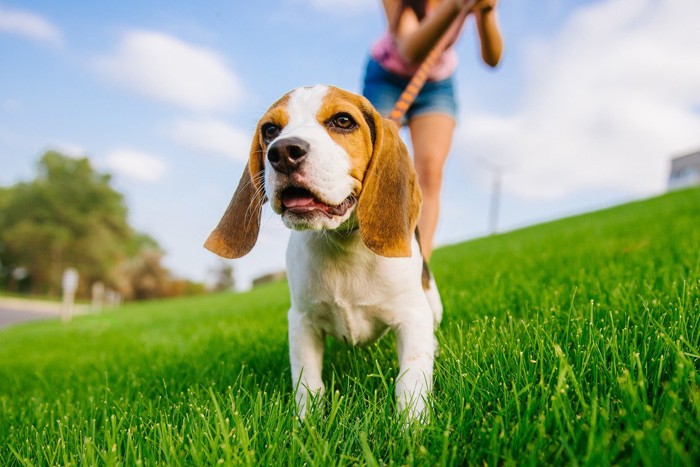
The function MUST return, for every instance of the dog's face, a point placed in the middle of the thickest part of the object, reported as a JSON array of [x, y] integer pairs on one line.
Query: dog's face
[[316, 143], [319, 154]]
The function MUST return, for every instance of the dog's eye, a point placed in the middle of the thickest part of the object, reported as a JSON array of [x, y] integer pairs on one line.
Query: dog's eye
[[269, 132], [343, 121]]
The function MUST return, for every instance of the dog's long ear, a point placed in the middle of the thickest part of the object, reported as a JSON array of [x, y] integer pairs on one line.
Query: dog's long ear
[[238, 228], [389, 203]]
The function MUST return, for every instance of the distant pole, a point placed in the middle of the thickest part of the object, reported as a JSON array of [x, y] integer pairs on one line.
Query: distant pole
[[495, 200], [496, 185]]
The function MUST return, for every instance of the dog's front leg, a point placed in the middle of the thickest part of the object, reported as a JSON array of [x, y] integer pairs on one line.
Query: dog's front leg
[[415, 342], [306, 358]]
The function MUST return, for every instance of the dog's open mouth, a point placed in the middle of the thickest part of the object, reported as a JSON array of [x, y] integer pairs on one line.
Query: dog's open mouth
[[301, 201]]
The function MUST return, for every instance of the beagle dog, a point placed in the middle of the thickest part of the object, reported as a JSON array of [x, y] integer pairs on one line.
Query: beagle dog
[[342, 180]]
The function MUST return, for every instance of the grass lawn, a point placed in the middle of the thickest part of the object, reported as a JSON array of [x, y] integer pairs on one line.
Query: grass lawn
[[575, 342]]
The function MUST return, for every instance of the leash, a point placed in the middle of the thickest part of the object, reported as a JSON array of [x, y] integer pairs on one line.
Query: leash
[[409, 94]]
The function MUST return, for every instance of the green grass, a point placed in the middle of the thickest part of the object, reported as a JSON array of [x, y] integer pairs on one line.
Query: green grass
[[575, 341]]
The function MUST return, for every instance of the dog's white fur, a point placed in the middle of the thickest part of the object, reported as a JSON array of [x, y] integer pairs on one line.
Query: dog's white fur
[[339, 286]]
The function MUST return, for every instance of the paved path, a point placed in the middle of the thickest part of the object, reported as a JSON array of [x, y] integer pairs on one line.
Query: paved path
[[18, 310], [9, 316]]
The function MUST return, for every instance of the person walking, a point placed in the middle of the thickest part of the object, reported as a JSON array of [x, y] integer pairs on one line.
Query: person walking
[[414, 28]]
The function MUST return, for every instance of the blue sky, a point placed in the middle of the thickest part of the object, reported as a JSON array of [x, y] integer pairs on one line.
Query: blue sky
[[590, 101]]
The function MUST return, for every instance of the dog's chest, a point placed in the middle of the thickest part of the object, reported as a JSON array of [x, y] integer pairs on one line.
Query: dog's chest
[[349, 322], [346, 303], [346, 296]]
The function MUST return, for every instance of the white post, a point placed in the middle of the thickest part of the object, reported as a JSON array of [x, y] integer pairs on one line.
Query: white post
[[70, 285], [98, 295], [112, 298]]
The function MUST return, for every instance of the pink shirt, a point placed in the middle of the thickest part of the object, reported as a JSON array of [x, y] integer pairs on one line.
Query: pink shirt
[[386, 53]]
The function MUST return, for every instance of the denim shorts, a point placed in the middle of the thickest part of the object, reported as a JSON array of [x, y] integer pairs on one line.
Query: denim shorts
[[383, 89]]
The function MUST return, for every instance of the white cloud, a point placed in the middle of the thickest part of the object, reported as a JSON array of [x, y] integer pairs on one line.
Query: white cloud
[[167, 69], [212, 136], [607, 103], [29, 25], [136, 165]]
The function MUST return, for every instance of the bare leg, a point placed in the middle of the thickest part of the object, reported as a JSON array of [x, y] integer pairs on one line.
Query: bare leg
[[431, 136], [306, 358]]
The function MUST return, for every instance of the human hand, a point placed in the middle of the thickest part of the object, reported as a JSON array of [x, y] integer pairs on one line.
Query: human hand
[[484, 6]]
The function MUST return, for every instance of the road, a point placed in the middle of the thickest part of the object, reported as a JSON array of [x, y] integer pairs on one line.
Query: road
[[9, 316], [17, 310]]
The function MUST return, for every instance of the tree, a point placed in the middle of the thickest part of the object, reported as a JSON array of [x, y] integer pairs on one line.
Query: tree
[[69, 216], [223, 277], [143, 276]]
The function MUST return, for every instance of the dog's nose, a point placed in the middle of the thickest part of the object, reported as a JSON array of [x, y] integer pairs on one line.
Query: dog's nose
[[286, 154]]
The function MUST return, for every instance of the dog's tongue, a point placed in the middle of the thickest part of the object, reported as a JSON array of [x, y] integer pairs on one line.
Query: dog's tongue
[[302, 201], [293, 200]]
